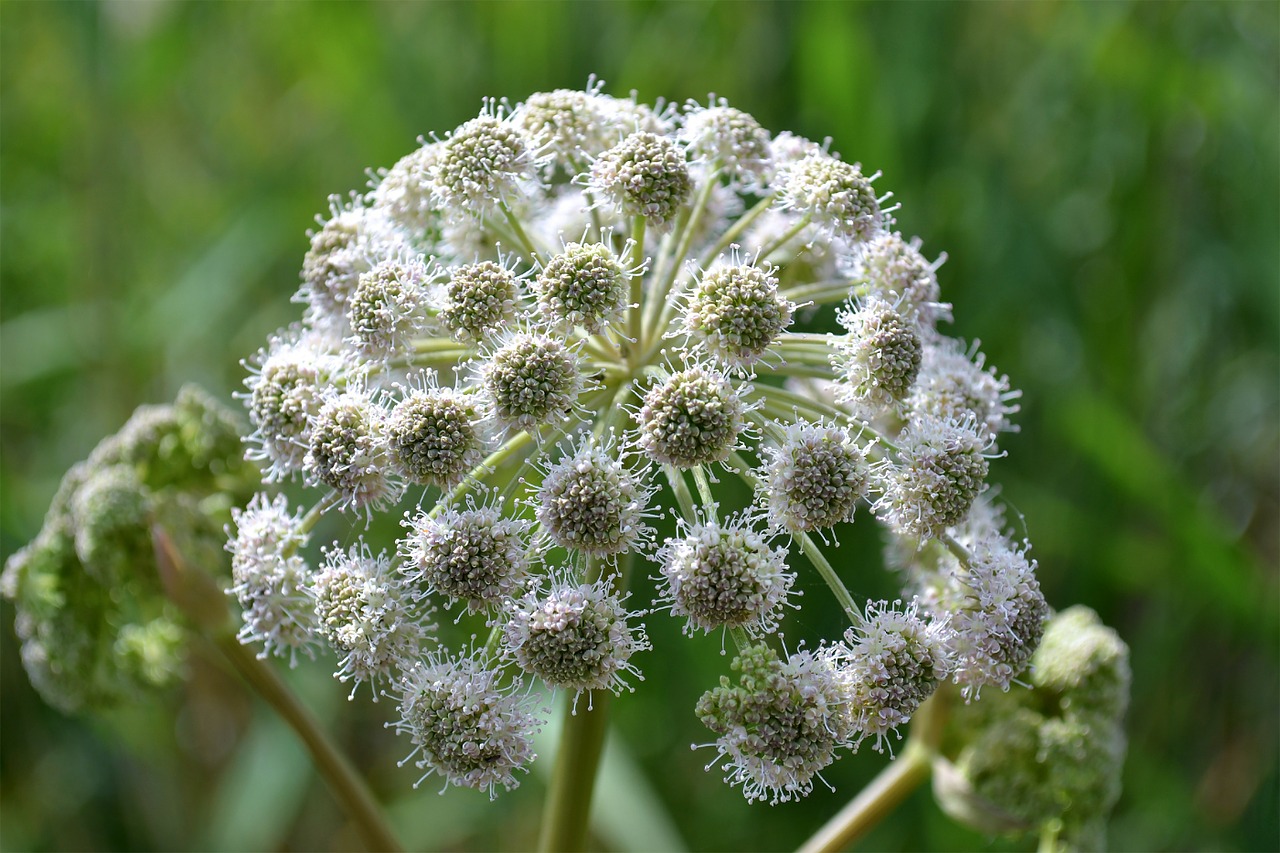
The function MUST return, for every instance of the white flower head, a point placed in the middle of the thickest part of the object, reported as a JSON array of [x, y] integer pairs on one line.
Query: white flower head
[[403, 193], [269, 578], [530, 379], [729, 140], [471, 553], [436, 435], [575, 636], [644, 175], [594, 500], [942, 470], [367, 615], [780, 726], [877, 361], [725, 575], [814, 479], [484, 163], [348, 449], [286, 383], [835, 194], [467, 722], [735, 311], [387, 309]]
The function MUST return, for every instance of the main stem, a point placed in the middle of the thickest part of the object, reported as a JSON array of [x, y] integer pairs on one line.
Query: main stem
[[568, 809], [894, 784], [903, 775], [344, 782]]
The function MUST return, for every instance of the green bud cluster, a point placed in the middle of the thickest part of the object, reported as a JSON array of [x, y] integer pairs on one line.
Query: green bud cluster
[[1048, 757], [92, 614]]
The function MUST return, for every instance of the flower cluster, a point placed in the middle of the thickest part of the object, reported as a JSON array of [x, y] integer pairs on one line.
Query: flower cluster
[[567, 319]]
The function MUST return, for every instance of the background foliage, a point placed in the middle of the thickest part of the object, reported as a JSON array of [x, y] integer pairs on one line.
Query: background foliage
[[1103, 176]]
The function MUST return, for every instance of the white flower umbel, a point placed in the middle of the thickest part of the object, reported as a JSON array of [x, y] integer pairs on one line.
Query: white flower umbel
[[594, 503], [780, 726], [567, 325], [471, 554], [574, 636]]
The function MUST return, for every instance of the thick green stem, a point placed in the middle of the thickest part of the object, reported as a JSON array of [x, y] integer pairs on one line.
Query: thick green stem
[[635, 324], [893, 784], [346, 785], [518, 232], [828, 573], [903, 775], [568, 808]]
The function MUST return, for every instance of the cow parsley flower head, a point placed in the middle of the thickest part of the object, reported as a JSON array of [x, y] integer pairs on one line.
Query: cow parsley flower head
[[530, 379], [549, 332], [366, 615], [471, 553], [728, 139], [592, 502], [780, 726], [435, 435], [725, 576], [480, 299], [270, 579], [735, 311], [879, 357], [466, 721], [890, 665], [348, 450], [814, 478], [482, 165], [575, 636], [691, 418], [644, 175]]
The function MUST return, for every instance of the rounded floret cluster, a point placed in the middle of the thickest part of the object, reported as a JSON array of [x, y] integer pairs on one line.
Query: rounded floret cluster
[[472, 554], [584, 285], [270, 578], [467, 726], [891, 664], [880, 356], [728, 139], [942, 470], [644, 175], [386, 311], [480, 299], [435, 435], [736, 312], [692, 418], [531, 380], [590, 502], [814, 477], [574, 636], [725, 576], [366, 615], [834, 194], [482, 165], [779, 726], [348, 450]]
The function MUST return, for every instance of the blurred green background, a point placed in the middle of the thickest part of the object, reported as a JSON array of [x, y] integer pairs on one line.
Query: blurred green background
[[1105, 179]]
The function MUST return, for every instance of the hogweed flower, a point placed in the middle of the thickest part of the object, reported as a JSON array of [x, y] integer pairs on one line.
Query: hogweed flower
[[561, 322]]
